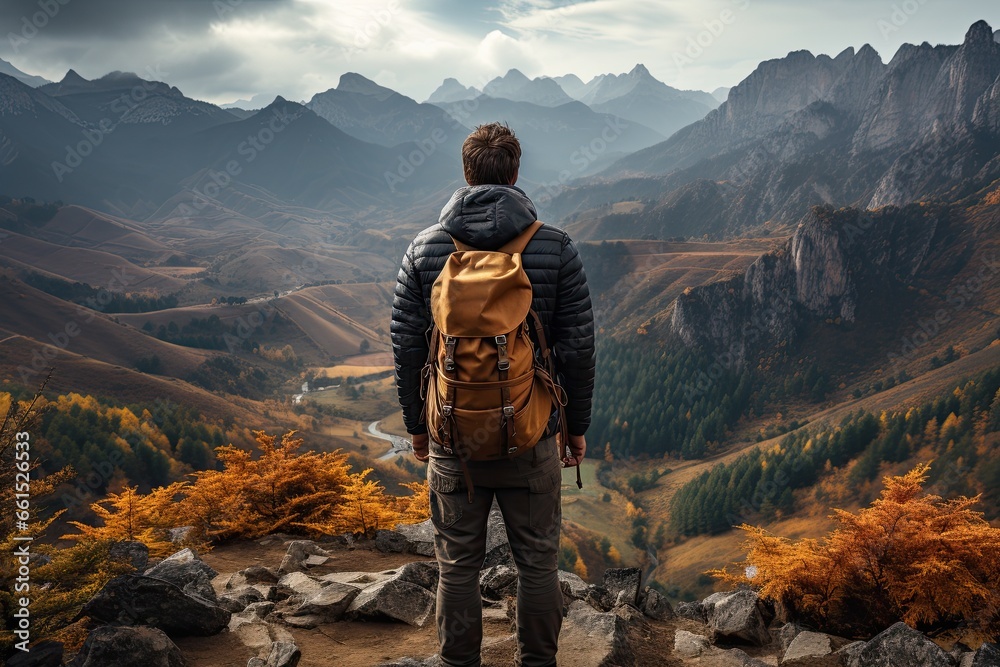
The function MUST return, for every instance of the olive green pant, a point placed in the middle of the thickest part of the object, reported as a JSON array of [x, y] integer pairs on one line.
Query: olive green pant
[[527, 490]]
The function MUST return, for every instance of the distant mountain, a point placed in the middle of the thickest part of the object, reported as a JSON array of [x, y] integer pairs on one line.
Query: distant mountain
[[572, 85], [638, 96], [29, 79], [721, 93], [373, 113], [515, 86], [806, 130], [451, 90], [258, 101], [559, 143]]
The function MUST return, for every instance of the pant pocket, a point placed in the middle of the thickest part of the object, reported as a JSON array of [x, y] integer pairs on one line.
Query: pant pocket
[[445, 496], [545, 511]]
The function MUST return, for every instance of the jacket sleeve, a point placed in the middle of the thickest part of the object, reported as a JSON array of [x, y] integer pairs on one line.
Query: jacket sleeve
[[573, 333], [410, 321]]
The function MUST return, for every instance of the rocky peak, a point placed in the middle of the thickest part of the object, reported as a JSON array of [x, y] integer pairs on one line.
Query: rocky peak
[[517, 87], [352, 82], [451, 90]]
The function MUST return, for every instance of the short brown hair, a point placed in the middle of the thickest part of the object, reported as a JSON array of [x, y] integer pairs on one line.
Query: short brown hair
[[491, 155]]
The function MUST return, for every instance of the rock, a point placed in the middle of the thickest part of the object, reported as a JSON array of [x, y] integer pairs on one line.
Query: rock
[[329, 603], [423, 573], [738, 618], [256, 662], [691, 610], [602, 639], [689, 645], [290, 564], [303, 622], [258, 574], [433, 661], [902, 645], [283, 654], [735, 658], [111, 646], [848, 654], [807, 648], [301, 584], [260, 609], [419, 537], [300, 550], [622, 584], [390, 541], [498, 582], [655, 605], [188, 572], [45, 653], [787, 633], [395, 599], [136, 600], [573, 587], [270, 593], [135, 553], [988, 655], [238, 600], [252, 633], [179, 534], [497, 546], [315, 561]]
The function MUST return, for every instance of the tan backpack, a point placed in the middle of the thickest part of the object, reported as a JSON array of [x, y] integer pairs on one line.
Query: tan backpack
[[485, 395]]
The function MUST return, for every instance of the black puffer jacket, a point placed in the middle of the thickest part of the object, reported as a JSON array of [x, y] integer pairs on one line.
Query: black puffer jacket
[[486, 217]]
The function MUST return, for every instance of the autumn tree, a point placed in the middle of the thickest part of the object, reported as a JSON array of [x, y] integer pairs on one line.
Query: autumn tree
[[910, 556]]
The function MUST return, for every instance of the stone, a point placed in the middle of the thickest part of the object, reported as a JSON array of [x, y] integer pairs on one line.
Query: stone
[[135, 554], [290, 564], [655, 605], [188, 572], [573, 587], [303, 622], [787, 633], [693, 611], [423, 573], [738, 618], [329, 603], [252, 633], [498, 582], [602, 639], [258, 574], [270, 593], [137, 600], [689, 645], [238, 600], [390, 541], [300, 550], [260, 609], [301, 584], [497, 546], [111, 646], [988, 655], [807, 648], [399, 600], [179, 534], [902, 645], [848, 654], [622, 584], [735, 658], [283, 654], [315, 561], [419, 537], [46, 653]]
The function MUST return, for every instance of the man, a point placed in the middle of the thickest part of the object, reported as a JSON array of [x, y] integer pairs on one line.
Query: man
[[486, 215]]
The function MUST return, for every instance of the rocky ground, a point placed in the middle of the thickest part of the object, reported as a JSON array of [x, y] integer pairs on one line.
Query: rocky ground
[[301, 603]]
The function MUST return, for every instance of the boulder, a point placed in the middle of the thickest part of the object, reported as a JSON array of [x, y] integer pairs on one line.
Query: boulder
[[498, 582], [238, 600], [260, 609], [301, 584], [136, 600], [902, 645], [808, 648], [654, 605], [573, 587], [135, 554], [253, 633], [622, 584], [300, 550], [787, 633], [734, 658], [423, 573], [693, 611], [283, 654], [497, 546], [848, 654], [602, 639], [390, 542], [399, 600], [738, 618], [315, 561], [188, 572], [329, 603], [988, 655], [110, 646], [258, 574], [179, 534], [419, 537], [303, 622], [46, 653], [689, 645]]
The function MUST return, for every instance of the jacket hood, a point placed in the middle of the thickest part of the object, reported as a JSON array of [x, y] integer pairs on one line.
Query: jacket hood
[[487, 216]]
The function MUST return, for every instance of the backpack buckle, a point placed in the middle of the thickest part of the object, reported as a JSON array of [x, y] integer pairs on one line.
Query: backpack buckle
[[511, 450], [503, 365], [446, 410], [501, 339], [508, 411]]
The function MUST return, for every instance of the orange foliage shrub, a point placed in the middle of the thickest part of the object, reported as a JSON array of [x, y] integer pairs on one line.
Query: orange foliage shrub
[[910, 556]]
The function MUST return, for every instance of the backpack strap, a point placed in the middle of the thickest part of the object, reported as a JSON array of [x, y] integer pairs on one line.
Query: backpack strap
[[514, 246]]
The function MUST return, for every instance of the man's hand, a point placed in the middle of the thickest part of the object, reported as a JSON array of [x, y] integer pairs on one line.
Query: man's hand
[[577, 450], [421, 447]]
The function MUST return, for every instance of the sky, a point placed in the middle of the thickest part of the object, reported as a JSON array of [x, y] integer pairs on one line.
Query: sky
[[224, 50]]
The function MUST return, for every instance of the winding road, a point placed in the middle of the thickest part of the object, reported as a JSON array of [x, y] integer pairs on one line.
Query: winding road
[[399, 445]]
